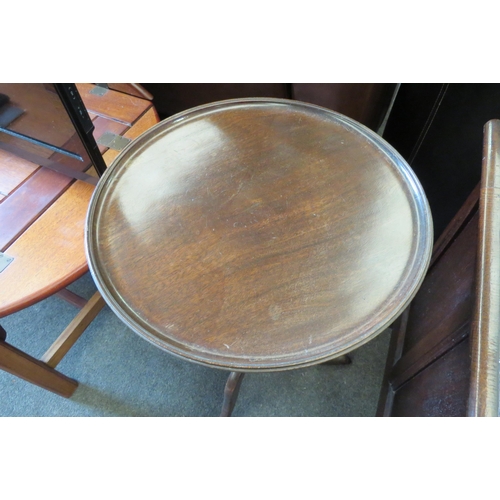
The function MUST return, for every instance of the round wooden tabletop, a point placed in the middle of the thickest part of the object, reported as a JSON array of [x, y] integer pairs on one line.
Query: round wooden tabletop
[[258, 234]]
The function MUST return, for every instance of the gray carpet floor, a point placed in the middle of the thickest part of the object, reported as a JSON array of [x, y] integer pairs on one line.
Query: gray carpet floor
[[121, 374]]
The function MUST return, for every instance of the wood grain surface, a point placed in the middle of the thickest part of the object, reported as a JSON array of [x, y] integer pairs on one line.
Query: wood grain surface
[[25, 204], [28, 368], [13, 172], [259, 234], [444, 360], [50, 255], [144, 123], [114, 105], [483, 397], [44, 117]]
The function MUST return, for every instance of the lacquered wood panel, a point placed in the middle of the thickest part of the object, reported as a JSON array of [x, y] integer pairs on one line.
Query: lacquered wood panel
[[103, 126], [144, 123], [131, 88], [44, 117], [446, 298], [483, 399], [259, 234], [13, 172], [113, 105], [439, 391], [27, 202], [50, 255]]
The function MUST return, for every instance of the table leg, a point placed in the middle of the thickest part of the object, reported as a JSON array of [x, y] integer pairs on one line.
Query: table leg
[[341, 360], [22, 365], [231, 392]]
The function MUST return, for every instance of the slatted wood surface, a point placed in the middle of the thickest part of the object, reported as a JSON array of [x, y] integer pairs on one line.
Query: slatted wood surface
[[113, 105], [42, 212]]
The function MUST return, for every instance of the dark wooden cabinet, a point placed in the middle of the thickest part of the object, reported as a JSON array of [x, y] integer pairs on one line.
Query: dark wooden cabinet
[[443, 358]]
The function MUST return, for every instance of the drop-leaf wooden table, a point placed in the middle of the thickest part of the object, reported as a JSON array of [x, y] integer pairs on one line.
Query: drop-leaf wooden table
[[42, 220]]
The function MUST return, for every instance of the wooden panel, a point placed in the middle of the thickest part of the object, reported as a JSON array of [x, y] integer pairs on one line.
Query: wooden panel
[[431, 347], [44, 117], [50, 255], [445, 300], [483, 399], [103, 125], [25, 204], [468, 209], [131, 88], [13, 172], [450, 364], [114, 105], [145, 123], [439, 391]]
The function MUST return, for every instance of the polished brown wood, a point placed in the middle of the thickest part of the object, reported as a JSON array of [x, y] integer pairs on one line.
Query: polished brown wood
[[443, 360], [49, 256], [438, 319], [22, 365], [73, 331], [258, 234], [13, 172], [25, 204], [114, 105], [483, 395], [366, 103], [468, 210], [72, 298], [144, 123], [38, 119], [32, 191], [231, 391], [42, 215], [438, 391], [105, 125], [135, 89]]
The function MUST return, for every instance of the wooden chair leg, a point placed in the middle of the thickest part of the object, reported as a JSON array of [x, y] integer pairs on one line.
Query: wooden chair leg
[[28, 368], [73, 331], [231, 392]]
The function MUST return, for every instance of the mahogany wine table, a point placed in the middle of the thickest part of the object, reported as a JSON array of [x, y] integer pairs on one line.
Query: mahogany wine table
[[258, 234]]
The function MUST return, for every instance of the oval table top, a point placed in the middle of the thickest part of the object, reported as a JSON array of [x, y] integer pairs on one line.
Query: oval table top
[[258, 234]]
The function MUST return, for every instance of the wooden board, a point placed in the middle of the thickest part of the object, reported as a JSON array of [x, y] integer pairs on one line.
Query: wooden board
[[149, 119], [49, 255], [13, 172], [114, 105]]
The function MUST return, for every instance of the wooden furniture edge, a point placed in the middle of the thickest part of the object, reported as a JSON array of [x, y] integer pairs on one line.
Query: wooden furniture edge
[[72, 332], [393, 356], [483, 391], [444, 241], [453, 229], [23, 365], [135, 89]]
